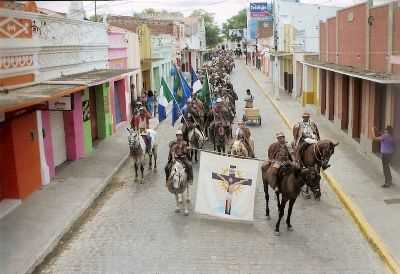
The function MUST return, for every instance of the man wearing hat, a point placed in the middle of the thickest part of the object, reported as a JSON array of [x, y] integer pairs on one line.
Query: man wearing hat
[[305, 132], [179, 151], [279, 154], [244, 132]]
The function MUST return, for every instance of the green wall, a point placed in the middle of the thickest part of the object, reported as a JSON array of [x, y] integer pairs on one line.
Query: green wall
[[87, 130], [104, 118]]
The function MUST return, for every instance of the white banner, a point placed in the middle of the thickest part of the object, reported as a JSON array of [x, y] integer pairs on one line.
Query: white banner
[[226, 186]]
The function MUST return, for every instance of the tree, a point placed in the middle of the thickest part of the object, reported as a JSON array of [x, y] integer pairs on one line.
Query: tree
[[239, 21], [213, 33]]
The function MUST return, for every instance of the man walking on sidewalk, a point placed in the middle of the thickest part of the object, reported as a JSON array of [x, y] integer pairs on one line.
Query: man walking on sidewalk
[[387, 150]]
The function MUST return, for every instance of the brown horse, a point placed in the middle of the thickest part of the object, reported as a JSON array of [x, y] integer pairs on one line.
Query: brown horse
[[317, 156], [290, 181]]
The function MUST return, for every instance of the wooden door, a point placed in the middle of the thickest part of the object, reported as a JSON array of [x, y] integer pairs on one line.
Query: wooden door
[[93, 113], [357, 109], [322, 87], [345, 103]]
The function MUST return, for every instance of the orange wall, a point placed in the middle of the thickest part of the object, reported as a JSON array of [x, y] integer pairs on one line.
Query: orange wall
[[396, 38], [322, 41], [20, 162], [332, 40], [17, 80], [379, 39]]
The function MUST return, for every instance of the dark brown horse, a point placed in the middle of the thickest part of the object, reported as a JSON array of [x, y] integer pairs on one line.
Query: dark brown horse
[[317, 156], [290, 181]]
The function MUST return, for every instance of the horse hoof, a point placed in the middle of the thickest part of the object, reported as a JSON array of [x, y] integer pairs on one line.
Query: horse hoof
[[289, 228], [268, 218], [178, 210], [186, 213], [277, 233]]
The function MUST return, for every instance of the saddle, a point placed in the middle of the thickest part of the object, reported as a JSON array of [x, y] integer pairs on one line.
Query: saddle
[[147, 141]]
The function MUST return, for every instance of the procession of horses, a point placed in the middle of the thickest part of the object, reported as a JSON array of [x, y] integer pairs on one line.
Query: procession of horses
[[207, 122]]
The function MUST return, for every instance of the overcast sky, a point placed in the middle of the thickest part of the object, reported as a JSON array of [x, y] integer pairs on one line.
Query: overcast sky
[[223, 9]]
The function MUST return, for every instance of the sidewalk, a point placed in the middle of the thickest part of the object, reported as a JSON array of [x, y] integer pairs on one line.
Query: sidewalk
[[33, 229], [358, 177]]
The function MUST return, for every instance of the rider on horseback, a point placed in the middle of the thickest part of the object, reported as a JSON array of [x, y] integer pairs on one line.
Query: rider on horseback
[[279, 154], [141, 122], [304, 133], [243, 132], [249, 99], [179, 151]]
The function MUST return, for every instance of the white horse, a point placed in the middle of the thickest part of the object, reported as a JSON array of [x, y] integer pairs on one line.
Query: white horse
[[138, 151], [196, 140], [179, 186], [239, 149]]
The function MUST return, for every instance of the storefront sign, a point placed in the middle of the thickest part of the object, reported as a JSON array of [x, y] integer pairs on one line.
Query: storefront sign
[[61, 104], [2, 116], [395, 59]]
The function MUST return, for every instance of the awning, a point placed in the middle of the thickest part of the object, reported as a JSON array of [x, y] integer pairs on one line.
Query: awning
[[382, 78], [23, 97], [93, 77]]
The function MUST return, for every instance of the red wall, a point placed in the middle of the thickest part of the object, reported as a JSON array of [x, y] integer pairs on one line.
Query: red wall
[[332, 40], [396, 39], [379, 39], [352, 36], [322, 42]]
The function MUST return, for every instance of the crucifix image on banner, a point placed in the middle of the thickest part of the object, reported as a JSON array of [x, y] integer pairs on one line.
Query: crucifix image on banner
[[231, 184], [226, 186]]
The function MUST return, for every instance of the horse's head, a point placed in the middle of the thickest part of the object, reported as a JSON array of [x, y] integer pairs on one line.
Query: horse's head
[[323, 152], [178, 174]]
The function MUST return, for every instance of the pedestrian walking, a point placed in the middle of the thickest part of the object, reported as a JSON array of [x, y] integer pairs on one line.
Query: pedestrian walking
[[387, 148], [150, 101]]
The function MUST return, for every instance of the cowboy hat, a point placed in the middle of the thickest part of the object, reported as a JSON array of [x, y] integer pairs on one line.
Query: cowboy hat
[[279, 134]]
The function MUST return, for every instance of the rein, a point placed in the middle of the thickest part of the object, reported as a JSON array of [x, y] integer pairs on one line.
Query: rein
[[317, 150]]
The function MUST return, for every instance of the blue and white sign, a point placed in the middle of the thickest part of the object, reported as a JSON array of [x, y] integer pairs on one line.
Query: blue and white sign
[[261, 10]]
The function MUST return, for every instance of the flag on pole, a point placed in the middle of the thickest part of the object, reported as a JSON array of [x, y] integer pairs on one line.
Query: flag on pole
[[180, 96], [164, 98], [196, 84], [185, 86], [204, 93]]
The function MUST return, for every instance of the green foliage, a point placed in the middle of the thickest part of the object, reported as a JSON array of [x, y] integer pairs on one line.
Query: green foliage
[[98, 18], [239, 21], [213, 33]]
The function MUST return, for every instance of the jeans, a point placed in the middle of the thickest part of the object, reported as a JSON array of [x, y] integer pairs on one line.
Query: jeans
[[149, 105], [386, 160]]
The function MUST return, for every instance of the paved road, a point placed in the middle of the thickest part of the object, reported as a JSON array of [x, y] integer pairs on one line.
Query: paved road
[[134, 229]]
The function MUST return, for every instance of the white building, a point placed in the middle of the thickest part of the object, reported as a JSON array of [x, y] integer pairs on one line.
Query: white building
[[195, 43]]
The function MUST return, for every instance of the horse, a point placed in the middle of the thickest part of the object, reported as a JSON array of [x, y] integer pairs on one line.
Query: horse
[[290, 181], [196, 140], [239, 149], [177, 184], [317, 156], [138, 151], [219, 134]]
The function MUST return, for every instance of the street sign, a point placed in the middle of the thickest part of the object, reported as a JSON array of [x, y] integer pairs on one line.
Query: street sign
[[62, 104]]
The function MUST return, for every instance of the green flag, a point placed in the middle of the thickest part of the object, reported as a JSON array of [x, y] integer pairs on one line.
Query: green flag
[[166, 92], [204, 93]]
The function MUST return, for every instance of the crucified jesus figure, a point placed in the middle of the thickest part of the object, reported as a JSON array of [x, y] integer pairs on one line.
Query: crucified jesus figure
[[232, 184]]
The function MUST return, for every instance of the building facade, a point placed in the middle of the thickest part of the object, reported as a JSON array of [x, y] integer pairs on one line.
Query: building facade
[[358, 72]]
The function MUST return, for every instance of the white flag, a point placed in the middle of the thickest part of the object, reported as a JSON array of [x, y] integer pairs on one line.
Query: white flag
[[226, 186]]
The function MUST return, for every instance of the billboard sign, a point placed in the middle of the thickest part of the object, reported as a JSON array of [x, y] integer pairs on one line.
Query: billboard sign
[[261, 10]]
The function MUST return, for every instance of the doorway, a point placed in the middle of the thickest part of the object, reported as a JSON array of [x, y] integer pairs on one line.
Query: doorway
[[345, 103], [331, 95], [322, 87], [58, 137], [93, 113]]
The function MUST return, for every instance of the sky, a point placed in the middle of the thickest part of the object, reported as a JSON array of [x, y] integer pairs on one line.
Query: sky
[[223, 9]]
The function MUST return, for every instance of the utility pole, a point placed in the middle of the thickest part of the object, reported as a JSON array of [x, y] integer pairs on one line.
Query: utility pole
[[95, 11], [274, 71]]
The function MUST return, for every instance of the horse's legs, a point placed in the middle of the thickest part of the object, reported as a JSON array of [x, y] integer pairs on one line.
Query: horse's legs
[[266, 200], [136, 169], [291, 203], [178, 208], [150, 161], [186, 201], [142, 171], [281, 213], [277, 199], [155, 157], [188, 194]]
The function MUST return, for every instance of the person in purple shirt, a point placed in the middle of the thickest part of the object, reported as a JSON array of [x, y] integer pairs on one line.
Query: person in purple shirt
[[387, 150]]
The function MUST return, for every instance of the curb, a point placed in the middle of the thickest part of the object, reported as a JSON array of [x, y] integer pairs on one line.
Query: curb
[[85, 206], [358, 218]]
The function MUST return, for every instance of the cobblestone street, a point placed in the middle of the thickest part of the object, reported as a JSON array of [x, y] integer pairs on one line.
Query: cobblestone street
[[134, 228]]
